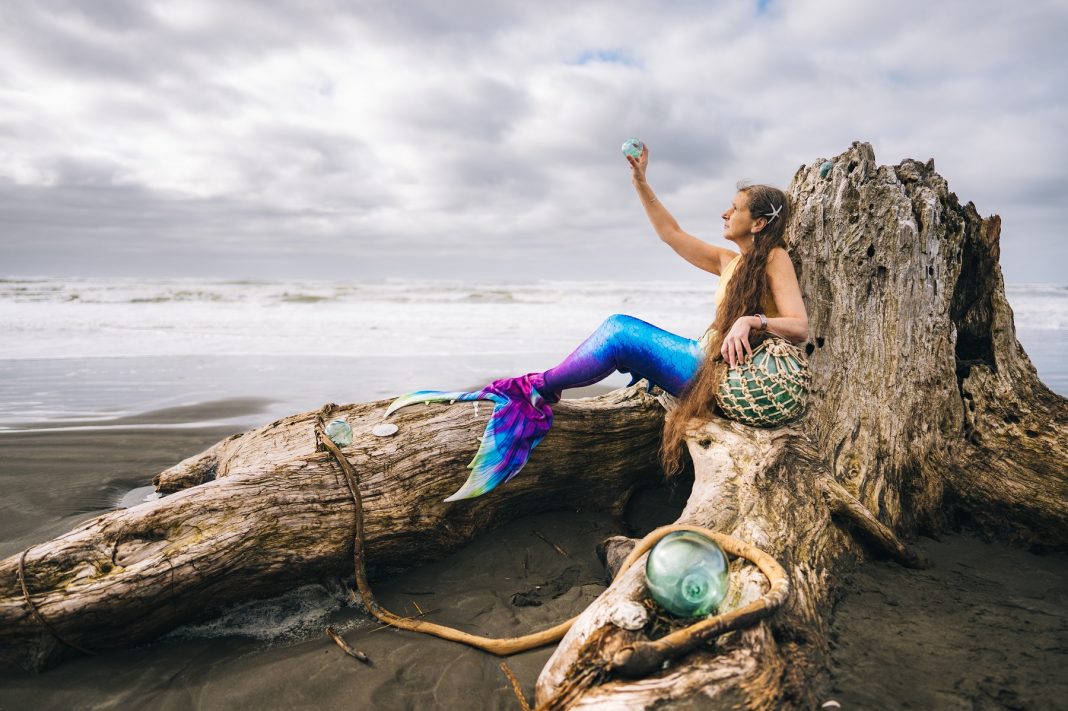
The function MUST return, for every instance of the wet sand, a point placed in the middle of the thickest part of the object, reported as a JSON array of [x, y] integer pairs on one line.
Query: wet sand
[[472, 590], [986, 628], [54, 479]]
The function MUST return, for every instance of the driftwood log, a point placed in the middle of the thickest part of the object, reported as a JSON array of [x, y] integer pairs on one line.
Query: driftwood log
[[261, 512], [925, 412]]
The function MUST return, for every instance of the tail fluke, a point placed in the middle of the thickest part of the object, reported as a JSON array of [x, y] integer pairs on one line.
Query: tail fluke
[[521, 418], [427, 397]]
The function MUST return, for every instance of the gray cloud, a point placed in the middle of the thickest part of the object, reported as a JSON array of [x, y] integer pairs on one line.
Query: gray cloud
[[263, 139]]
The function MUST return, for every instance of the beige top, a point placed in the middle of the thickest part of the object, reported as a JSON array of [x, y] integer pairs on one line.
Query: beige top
[[768, 302]]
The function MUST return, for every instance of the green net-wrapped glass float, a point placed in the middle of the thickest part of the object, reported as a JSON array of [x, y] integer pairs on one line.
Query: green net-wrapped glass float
[[687, 574], [769, 388], [339, 433]]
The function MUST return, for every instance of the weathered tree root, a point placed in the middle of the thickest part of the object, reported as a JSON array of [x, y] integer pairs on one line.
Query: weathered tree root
[[754, 472], [846, 505], [613, 652], [637, 659]]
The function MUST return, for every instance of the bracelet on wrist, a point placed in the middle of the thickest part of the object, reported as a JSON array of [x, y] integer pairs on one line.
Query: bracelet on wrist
[[763, 322]]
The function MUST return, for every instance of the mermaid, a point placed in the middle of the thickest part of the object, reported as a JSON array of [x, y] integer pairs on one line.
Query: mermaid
[[758, 296]]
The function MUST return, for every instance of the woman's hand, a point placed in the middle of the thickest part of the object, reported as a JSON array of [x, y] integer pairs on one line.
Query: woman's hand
[[736, 342], [637, 165]]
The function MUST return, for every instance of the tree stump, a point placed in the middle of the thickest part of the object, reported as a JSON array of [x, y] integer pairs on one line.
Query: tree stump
[[925, 411]]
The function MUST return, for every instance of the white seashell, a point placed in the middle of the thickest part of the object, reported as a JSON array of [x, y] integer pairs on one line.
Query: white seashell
[[384, 430], [629, 615], [832, 704]]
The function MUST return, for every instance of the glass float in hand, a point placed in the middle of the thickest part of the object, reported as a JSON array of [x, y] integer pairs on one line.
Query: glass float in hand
[[633, 147], [686, 573]]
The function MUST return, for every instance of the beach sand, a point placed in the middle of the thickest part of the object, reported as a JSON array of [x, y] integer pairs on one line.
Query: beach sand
[[471, 590], [984, 628], [55, 479], [273, 654]]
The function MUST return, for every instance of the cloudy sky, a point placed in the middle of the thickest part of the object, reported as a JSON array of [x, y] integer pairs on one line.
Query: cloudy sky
[[480, 139]]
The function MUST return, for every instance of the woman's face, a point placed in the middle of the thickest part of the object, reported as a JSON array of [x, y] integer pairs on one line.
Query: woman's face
[[737, 222]]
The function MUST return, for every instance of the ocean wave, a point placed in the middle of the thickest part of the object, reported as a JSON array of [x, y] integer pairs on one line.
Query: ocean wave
[[1039, 306], [78, 318], [167, 291]]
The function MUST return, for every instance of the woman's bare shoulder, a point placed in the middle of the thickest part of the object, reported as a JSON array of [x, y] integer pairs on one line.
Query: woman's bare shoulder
[[726, 257], [778, 258]]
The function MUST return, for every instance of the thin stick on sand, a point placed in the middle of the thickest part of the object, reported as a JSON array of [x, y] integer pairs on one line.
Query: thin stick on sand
[[346, 648], [559, 550], [516, 688]]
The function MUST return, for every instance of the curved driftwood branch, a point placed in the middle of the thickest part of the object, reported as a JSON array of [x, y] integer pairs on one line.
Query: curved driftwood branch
[[642, 657]]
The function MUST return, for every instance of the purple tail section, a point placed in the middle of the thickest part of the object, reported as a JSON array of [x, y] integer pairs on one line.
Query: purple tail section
[[521, 418]]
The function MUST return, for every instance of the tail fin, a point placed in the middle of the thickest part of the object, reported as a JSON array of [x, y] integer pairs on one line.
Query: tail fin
[[427, 397], [521, 418]]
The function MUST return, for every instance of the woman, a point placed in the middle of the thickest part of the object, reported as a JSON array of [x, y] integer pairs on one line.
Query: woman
[[758, 292], [758, 295]]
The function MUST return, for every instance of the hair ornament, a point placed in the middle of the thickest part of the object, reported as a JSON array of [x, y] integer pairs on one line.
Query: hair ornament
[[773, 214]]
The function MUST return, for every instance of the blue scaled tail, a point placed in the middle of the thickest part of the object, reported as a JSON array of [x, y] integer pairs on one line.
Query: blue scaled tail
[[521, 418]]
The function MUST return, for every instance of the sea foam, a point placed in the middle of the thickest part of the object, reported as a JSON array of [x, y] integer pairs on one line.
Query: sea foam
[[65, 318]]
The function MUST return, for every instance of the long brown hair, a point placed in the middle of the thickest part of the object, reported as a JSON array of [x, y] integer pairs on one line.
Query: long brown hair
[[743, 297]]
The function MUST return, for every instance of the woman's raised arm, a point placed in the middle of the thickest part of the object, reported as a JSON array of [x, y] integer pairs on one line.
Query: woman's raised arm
[[697, 252]]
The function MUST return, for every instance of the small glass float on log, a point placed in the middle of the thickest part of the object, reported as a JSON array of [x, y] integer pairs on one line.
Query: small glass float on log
[[339, 433]]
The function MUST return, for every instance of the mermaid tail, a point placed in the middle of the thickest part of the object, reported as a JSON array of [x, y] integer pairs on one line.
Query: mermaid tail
[[521, 413], [521, 418]]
